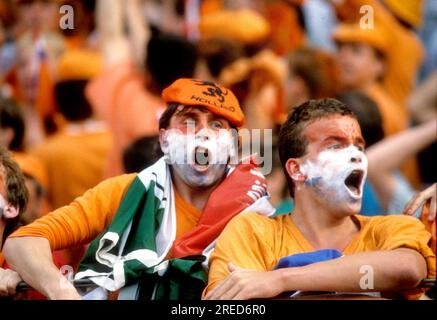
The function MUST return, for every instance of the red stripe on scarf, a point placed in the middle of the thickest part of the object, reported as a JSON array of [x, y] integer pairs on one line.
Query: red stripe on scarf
[[228, 200]]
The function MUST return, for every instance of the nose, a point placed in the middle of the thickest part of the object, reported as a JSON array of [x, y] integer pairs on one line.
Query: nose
[[356, 159], [203, 133]]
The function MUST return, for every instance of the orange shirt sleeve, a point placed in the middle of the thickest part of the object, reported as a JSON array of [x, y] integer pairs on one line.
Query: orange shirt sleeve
[[406, 232], [84, 219], [394, 232]]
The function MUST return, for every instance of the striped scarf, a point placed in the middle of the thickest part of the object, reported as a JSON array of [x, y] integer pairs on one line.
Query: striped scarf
[[135, 244]]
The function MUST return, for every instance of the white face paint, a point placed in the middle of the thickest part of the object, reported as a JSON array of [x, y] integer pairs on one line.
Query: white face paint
[[199, 159], [337, 176]]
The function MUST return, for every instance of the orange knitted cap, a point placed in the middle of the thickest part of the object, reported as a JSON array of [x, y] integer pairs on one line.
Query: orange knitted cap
[[218, 100]]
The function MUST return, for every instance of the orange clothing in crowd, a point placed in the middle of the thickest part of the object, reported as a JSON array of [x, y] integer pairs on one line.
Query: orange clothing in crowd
[[74, 160], [404, 52], [2, 260], [119, 97], [394, 121], [89, 215], [252, 241]]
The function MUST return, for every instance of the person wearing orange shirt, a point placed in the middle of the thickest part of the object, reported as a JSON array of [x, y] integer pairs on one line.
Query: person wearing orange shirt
[[206, 196], [396, 21], [322, 153], [363, 63]]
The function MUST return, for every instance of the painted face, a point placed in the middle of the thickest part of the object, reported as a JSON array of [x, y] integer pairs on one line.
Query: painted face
[[336, 166], [199, 158]]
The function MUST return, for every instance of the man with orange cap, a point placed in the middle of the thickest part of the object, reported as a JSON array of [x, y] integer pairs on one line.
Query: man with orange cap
[[164, 219]]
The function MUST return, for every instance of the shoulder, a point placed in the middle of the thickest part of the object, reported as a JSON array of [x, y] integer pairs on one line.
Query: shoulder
[[391, 224], [121, 181], [393, 219], [255, 223]]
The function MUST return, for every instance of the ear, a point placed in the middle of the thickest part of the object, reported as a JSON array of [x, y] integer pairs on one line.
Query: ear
[[163, 141], [294, 170], [10, 212]]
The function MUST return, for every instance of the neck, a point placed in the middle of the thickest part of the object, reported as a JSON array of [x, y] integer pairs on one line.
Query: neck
[[197, 197], [320, 225]]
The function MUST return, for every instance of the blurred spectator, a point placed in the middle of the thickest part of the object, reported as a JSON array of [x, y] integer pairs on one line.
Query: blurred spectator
[[78, 152], [11, 125], [36, 180], [428, 35], [395, 22], [363, 60], [128, 100], [287, 25], [258, 84], [12, 131], [313, 74], [320, 21], [215, 54]]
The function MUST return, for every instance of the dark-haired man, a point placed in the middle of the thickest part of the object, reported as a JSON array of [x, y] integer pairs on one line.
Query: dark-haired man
[[321, 150], [150, 223]]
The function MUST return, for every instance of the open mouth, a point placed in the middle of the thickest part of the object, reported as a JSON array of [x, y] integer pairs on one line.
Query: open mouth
[[201, 158], [353, 182]]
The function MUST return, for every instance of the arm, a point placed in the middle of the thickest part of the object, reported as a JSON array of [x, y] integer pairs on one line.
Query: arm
[[391, 270], [109, 20], [29, 250], [32, 259], [139, 33], [389, 154], [421, 102], [429, 194]]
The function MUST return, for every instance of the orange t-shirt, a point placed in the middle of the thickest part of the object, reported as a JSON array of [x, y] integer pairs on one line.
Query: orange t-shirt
[[74, 162], [252, 241], [89, 215]]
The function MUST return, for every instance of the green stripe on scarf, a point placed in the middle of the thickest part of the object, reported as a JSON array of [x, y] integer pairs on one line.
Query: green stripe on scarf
[[137, 221]]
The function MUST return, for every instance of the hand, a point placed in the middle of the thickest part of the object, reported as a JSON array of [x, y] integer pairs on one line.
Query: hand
[[9, 280], [428, 194], [244, 284], [64, 290]]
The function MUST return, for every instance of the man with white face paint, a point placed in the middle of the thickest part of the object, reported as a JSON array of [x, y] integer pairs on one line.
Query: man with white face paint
[[160, 224], [323, 244]]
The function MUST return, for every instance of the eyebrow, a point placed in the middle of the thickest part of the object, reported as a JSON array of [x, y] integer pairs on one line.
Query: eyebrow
[[338, 138]]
